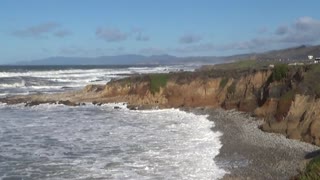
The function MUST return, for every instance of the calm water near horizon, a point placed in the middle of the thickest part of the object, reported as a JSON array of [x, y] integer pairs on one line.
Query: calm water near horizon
[[98, 142]]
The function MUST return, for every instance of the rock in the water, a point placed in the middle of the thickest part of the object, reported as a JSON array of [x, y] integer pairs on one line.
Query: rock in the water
[[132, 107], [68, 103], [32, 103], [96, 103]]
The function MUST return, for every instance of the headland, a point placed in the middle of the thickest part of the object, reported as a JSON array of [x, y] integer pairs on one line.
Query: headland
[[285, 97]]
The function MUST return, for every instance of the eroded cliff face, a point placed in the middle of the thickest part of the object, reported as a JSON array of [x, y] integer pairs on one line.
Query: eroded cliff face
[[241, 93], [302, 121], [246, 93]]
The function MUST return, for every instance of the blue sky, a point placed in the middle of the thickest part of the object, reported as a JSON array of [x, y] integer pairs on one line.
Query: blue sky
[[35, 29]]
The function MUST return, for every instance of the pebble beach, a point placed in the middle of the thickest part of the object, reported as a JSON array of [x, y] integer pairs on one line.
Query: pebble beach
[[249, 153]]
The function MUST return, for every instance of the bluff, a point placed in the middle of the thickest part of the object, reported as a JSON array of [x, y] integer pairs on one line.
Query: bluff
[[286, 97]]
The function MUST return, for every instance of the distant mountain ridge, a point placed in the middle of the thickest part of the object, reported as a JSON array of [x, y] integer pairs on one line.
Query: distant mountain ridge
[[129, 59], [293, 54]]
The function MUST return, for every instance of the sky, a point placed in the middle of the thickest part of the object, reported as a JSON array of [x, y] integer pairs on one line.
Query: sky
[[36, 29]]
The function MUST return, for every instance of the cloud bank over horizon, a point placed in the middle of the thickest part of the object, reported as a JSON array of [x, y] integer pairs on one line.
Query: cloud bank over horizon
[[41, 30]]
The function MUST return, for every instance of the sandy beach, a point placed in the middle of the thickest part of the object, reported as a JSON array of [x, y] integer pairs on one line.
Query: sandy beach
[[249, 153]]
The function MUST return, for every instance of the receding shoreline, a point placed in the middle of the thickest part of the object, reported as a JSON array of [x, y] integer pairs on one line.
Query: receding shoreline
[[249, 153]]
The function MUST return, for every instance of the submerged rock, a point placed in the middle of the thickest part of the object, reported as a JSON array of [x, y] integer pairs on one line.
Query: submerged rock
[[112, 165], [132, 107], [96, 103], [68, 103], [32, 103]]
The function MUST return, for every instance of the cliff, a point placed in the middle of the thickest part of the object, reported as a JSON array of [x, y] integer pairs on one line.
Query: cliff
[[286, 97]]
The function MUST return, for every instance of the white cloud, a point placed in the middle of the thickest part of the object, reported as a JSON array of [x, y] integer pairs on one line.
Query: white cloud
[[37, 30], [111, 34], [190, 38]]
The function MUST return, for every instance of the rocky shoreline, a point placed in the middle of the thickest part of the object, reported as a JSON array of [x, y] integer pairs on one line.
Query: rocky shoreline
[[249, 153]]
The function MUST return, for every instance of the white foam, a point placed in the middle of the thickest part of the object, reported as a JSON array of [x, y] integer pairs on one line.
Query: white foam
[[91, 72], [122, 105], [101, 142], [13, 85], [64, 73], [43, 87], [56, 80]]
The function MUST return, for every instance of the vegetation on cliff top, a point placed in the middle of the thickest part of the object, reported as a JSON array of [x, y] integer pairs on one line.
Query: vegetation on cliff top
[[279, 72], [245, 64], [157, 81]]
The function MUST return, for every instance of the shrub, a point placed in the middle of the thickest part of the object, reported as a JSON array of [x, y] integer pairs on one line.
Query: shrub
[[125, 81], [312, 170], [232, 88], [279, 72], [311, 80], [223, 82], [288, 96], [157, 81]]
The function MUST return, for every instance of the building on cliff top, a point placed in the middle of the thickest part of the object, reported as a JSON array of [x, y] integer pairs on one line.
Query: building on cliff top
[[310, 57]]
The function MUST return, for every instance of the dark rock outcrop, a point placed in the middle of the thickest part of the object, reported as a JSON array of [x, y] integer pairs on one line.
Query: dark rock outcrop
[[68, 103]]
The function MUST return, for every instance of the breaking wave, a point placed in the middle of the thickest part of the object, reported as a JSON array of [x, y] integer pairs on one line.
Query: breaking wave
[[92, 142]]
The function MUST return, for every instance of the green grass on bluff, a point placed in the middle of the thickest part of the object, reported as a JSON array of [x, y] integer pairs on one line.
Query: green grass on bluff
[[157, 81], [245, 64], [279, 72]]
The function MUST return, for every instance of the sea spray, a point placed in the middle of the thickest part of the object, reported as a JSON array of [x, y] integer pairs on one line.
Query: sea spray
[[61, 142]]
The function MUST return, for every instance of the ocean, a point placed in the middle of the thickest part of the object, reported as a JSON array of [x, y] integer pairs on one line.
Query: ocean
[[99, 142]]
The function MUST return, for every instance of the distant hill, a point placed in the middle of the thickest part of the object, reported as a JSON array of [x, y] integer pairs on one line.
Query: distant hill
[[291, 54], [297, 53], [122, 60]]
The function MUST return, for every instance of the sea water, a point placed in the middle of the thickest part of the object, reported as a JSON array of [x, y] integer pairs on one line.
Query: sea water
[[99, 142]]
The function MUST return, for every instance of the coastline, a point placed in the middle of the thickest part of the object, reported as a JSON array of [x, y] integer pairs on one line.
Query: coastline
[[249, 153]]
